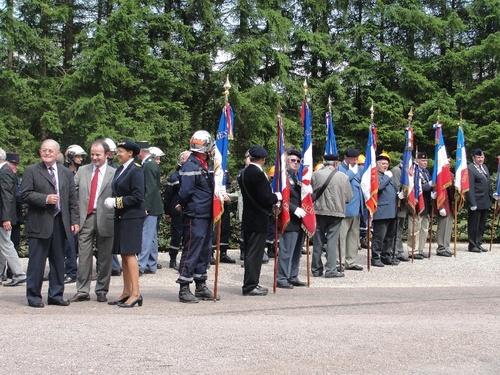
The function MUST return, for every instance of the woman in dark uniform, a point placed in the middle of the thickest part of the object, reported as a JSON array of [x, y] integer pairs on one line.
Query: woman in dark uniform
[[128, 200]]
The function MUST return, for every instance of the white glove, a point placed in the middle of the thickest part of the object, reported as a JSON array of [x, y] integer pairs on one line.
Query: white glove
[[442, 212], [307, 189], [401, 195], [495, 196], [473, 208], [300, 213], [354, 168], [278, 194], [110, 202], [431, 183], [388, 174], [433, 195]]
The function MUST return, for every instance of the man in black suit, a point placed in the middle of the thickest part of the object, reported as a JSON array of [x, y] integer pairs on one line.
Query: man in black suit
[[478, 201], [258, 200], [49, 191]]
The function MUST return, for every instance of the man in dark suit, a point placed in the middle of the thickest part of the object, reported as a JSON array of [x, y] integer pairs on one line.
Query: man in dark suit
[[49, 191], [148, 258], [478, 201], [8, 218], [258, 200], [93, 183]]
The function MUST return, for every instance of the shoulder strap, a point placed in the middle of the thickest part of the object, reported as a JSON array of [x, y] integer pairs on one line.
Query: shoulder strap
[[249, 196], [323, 188]]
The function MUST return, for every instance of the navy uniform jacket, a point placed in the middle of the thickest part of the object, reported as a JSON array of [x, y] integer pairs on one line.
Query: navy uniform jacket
[[196, 189], [152, 195], [425, 184], [256, 185], [387, 198], [128, 189], [171, 194], [479, 193], [7, 195]]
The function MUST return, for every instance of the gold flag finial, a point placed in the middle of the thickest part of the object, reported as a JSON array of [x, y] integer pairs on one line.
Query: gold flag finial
[[329, 104], [304, 85], [227, 87], [410, 116], [439, 116]]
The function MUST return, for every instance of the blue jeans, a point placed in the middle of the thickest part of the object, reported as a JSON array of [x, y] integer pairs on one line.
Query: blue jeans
[[148, 258]]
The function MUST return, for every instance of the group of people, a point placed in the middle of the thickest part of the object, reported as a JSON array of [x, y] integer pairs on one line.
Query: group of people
[[105, 210]]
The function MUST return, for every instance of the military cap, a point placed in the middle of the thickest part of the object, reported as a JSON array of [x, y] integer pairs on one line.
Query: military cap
[[351, 153], [12, 157], [331, 157], [129, 145], [422, 155], [478, 152], [142, 144], [295, 153], [257, 152]]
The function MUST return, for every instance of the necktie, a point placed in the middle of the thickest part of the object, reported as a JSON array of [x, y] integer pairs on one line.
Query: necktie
[[93, 191], [54, 181]]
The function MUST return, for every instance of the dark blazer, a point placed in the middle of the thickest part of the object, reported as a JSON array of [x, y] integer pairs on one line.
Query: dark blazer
[[170, 196], [295, 201], [36, 185], [152, 183], [128, 188], [479, 193], [258, 199], [7, 195]]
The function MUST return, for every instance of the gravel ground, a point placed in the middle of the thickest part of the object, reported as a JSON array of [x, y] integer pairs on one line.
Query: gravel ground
[[432, 316]]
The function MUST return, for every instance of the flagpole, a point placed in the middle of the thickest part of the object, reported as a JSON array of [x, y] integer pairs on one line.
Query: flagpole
[[368, 226], [493, 224], [227, 87], [456, 227], [276, 217], [308, 253]]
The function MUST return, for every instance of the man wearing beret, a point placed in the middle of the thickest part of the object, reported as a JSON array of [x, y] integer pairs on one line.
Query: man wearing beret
[[258, 200], [292, 239], [421, 229], [332, 191], [349, 229], [384, 218], [478, 201], [148, 258], [8, 217]]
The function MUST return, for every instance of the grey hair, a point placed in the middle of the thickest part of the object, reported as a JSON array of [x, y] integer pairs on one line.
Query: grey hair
[[3, 156]]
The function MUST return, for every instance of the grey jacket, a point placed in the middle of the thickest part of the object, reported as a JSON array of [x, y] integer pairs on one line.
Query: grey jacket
[[335, 197]]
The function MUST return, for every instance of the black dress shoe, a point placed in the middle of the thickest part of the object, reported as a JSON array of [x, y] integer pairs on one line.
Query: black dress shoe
[[101, 297], [403, 258], [15, 282], [297, 282], [355, 267], [417, 256], [377, 263], [159, 266], [69, 280], [212, 260], [149, 272], [424, 255], [80, 297], [284, 285], [224, 258], [36, 304], [483, 249], [475, 250], [173, 264], [116, 273], [444, 253], [334, 275], [138, 301], [317, 274], [258, 291], [58, 302]]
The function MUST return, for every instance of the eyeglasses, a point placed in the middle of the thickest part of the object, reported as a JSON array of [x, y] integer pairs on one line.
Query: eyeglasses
[[47, 151], [294, 160]]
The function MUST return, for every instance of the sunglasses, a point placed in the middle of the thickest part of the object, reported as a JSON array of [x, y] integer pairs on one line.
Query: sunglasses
[[295, 160]]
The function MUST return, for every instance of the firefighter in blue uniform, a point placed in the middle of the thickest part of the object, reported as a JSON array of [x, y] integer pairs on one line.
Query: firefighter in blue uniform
[[195, 200]]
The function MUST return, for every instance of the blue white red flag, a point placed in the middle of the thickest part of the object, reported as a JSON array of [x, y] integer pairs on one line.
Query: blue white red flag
[[280, 181], [224, 134], [331, 142], [369, 179], [305, 173], [441, 174], [407, 179], [461, 171], [419, 193]]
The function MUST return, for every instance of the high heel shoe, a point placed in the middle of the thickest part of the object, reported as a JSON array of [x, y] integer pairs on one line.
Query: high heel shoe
[[117, 302], [132, 304]]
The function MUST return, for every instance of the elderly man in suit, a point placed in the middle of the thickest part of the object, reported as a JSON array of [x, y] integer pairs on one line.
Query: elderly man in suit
[[49, 191], [148, 258], [258, 200], [93, 183], [8, 218], [478, 201]]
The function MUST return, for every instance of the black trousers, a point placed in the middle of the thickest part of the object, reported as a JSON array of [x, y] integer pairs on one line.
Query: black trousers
[[476, 223], [39, 250], [255, 243], [384, 235]]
